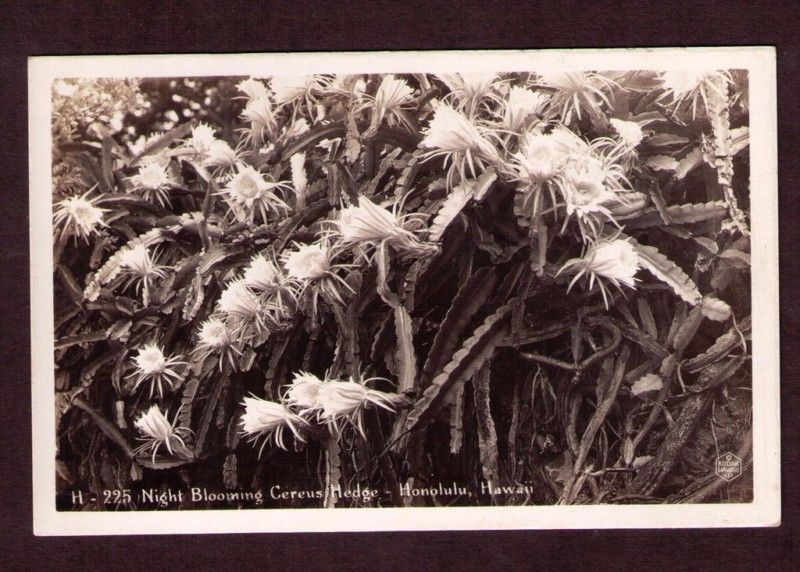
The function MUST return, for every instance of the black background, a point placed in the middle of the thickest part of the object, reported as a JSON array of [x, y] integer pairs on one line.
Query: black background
[[42, 28]]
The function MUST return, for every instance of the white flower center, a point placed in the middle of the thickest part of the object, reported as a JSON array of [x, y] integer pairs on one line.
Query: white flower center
[[151, 360], [308, 262]]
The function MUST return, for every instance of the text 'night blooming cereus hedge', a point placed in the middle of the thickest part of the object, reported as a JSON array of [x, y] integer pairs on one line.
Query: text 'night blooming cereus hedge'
[[531, 287]]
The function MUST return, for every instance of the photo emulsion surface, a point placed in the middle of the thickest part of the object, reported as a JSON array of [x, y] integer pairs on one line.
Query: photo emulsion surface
[[402, 290]]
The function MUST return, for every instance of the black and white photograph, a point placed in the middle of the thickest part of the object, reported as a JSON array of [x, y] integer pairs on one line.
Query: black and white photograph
[[442, 291]]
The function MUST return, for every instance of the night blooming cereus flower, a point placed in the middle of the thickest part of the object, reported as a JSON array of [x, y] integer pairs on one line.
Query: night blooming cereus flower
[[371, 224], [520, 105], [220, 155], [392, 96], [157, 431], [202, 138], [338, 401], [629, 132], [215, 338], [574, 92], [269, 420], [263, 125], [151, 365], [263, 275], [302, 394], [152, 182], [614, 260], [248, 193], [242, 307], [299, 178], [310, 266], [468, 90], [682, 86], [583, 186], [141, 271], [253, 89], [79, 217], [452, 135]]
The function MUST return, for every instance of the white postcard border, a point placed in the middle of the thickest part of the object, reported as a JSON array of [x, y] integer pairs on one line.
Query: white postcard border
[[763, 511]]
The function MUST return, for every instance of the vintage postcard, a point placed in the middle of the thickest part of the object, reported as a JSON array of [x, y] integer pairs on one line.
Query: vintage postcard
[[404, 291]]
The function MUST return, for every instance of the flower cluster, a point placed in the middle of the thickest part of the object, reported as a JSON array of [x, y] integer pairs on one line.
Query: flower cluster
[[309, 399], [614, 260], [408, 224], [157, 431]]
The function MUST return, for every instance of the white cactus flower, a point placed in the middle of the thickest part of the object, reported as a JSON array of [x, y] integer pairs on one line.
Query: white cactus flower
[[615, 260], [584, 188], [540, 158], [310, 266], [299, 178], [682, 86], [393, 95], [248, 193], [263, 275], [303, 393], [307, 262], [220, 155], [152, 181], [253, 89], [575, 92], [79, 217], [151, 365], [468, 90], [370, 224], [202, 138], [158, 431], [452, 135], [520, 105], [629, 132], [260, 113], [215, 338], [238, 302], [269, 420], [140, 270], [339, 401], [289, 88]]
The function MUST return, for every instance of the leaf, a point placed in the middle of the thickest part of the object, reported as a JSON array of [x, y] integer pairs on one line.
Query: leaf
[[163, 142], [230, 474], [406, 357], [658, 200], [691, 161], [641, 461], [720, 348], [662, 163], [208, 411], [646, 384], [482, 185], [457, 419], [112, 268], [107, 162], [679, 214], [487, 435], [333, 470], [469, 299], [687, 330], [740, 139], [187, 401], [646, 315], [715, 309], [737, 257], [451, 207], [465, 362], [668, 272], [667, 140], [718, 373]]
